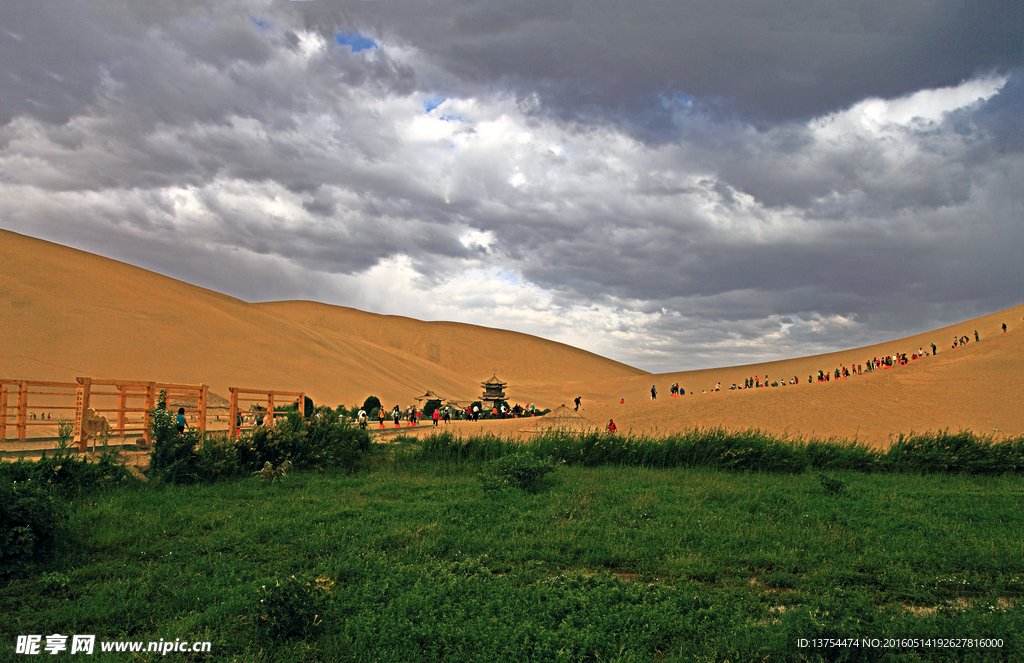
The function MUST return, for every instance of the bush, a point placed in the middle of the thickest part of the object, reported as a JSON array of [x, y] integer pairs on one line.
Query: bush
[[831, 485], [174, 457], [523, 471], [31, 521], [65, 471], [288, 609], [429, 407], [320, 441]]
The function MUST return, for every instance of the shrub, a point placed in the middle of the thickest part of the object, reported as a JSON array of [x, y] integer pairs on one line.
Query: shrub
[[288, 608], [271, 474], [65, 470], [174, 457], [523, 471], [31, 521], [320, 441], [831, 485]]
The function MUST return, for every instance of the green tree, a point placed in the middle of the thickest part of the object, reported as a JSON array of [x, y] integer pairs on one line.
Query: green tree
[[371, 405]]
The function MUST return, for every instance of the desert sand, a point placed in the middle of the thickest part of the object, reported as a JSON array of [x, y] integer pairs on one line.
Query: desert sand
[[66, 313]]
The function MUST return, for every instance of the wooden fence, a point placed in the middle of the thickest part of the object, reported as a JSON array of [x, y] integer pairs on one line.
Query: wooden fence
[[259, 396], [129, 401], [132, 418], [90, 400], [47, 397]]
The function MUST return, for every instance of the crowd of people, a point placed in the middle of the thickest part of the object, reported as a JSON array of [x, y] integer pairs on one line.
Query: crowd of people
[[413, 414], [840, 372]]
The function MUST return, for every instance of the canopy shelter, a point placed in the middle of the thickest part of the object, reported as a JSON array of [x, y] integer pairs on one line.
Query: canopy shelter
[[213, 402], [562, 418], [430, 396]]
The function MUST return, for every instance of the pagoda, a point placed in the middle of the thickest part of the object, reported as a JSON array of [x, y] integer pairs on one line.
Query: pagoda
[[494, 390]]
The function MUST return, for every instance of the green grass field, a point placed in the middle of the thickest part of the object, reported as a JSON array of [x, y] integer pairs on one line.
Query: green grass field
[[412, 560]]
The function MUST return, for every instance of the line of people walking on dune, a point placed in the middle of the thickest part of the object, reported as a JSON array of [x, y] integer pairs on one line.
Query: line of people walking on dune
[[839, 373]]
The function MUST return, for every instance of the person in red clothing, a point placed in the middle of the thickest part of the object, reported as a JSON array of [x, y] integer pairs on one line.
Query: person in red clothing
[[611, 426], [436, 416]]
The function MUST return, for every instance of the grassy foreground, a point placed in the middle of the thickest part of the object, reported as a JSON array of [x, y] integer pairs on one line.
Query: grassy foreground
[[415, 561]]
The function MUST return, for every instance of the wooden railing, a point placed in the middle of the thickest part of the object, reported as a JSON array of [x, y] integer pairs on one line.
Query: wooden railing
[[135, 400], [269, 397]]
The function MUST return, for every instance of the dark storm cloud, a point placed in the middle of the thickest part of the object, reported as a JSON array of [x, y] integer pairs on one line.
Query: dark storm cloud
[[680, 184], [771, 59]]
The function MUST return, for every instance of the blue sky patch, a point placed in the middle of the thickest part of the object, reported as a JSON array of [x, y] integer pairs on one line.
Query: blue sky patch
[[430, 103], [261, 24], [356, 41]]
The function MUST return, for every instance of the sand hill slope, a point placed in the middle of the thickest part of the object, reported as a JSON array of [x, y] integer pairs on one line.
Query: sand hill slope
[[978, 387], [66, 313]]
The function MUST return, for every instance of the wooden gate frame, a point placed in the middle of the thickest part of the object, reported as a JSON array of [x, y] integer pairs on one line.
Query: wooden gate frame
[[125, 389], [21, 421], [233, 412]]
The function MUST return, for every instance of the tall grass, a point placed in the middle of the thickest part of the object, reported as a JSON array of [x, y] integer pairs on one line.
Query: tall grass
[[752, 450]]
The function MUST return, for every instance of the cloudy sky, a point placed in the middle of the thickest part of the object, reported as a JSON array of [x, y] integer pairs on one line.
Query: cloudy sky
[[675, 185]]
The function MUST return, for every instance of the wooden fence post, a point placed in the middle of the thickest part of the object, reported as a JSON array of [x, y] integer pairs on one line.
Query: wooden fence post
[[122, 403], [3, 412], [203, 389], [150, 405], [81, 405], [233, 414], [22, 419]]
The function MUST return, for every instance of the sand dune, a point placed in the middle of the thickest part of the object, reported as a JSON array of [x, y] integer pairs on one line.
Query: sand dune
[[66, 313]]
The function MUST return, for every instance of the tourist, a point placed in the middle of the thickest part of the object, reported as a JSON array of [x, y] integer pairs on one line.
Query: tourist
[[976, 336], [654, 392], [436, 416], [611, 426], [933, 349], [577, 401], [181, 421], [1004, 327]]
